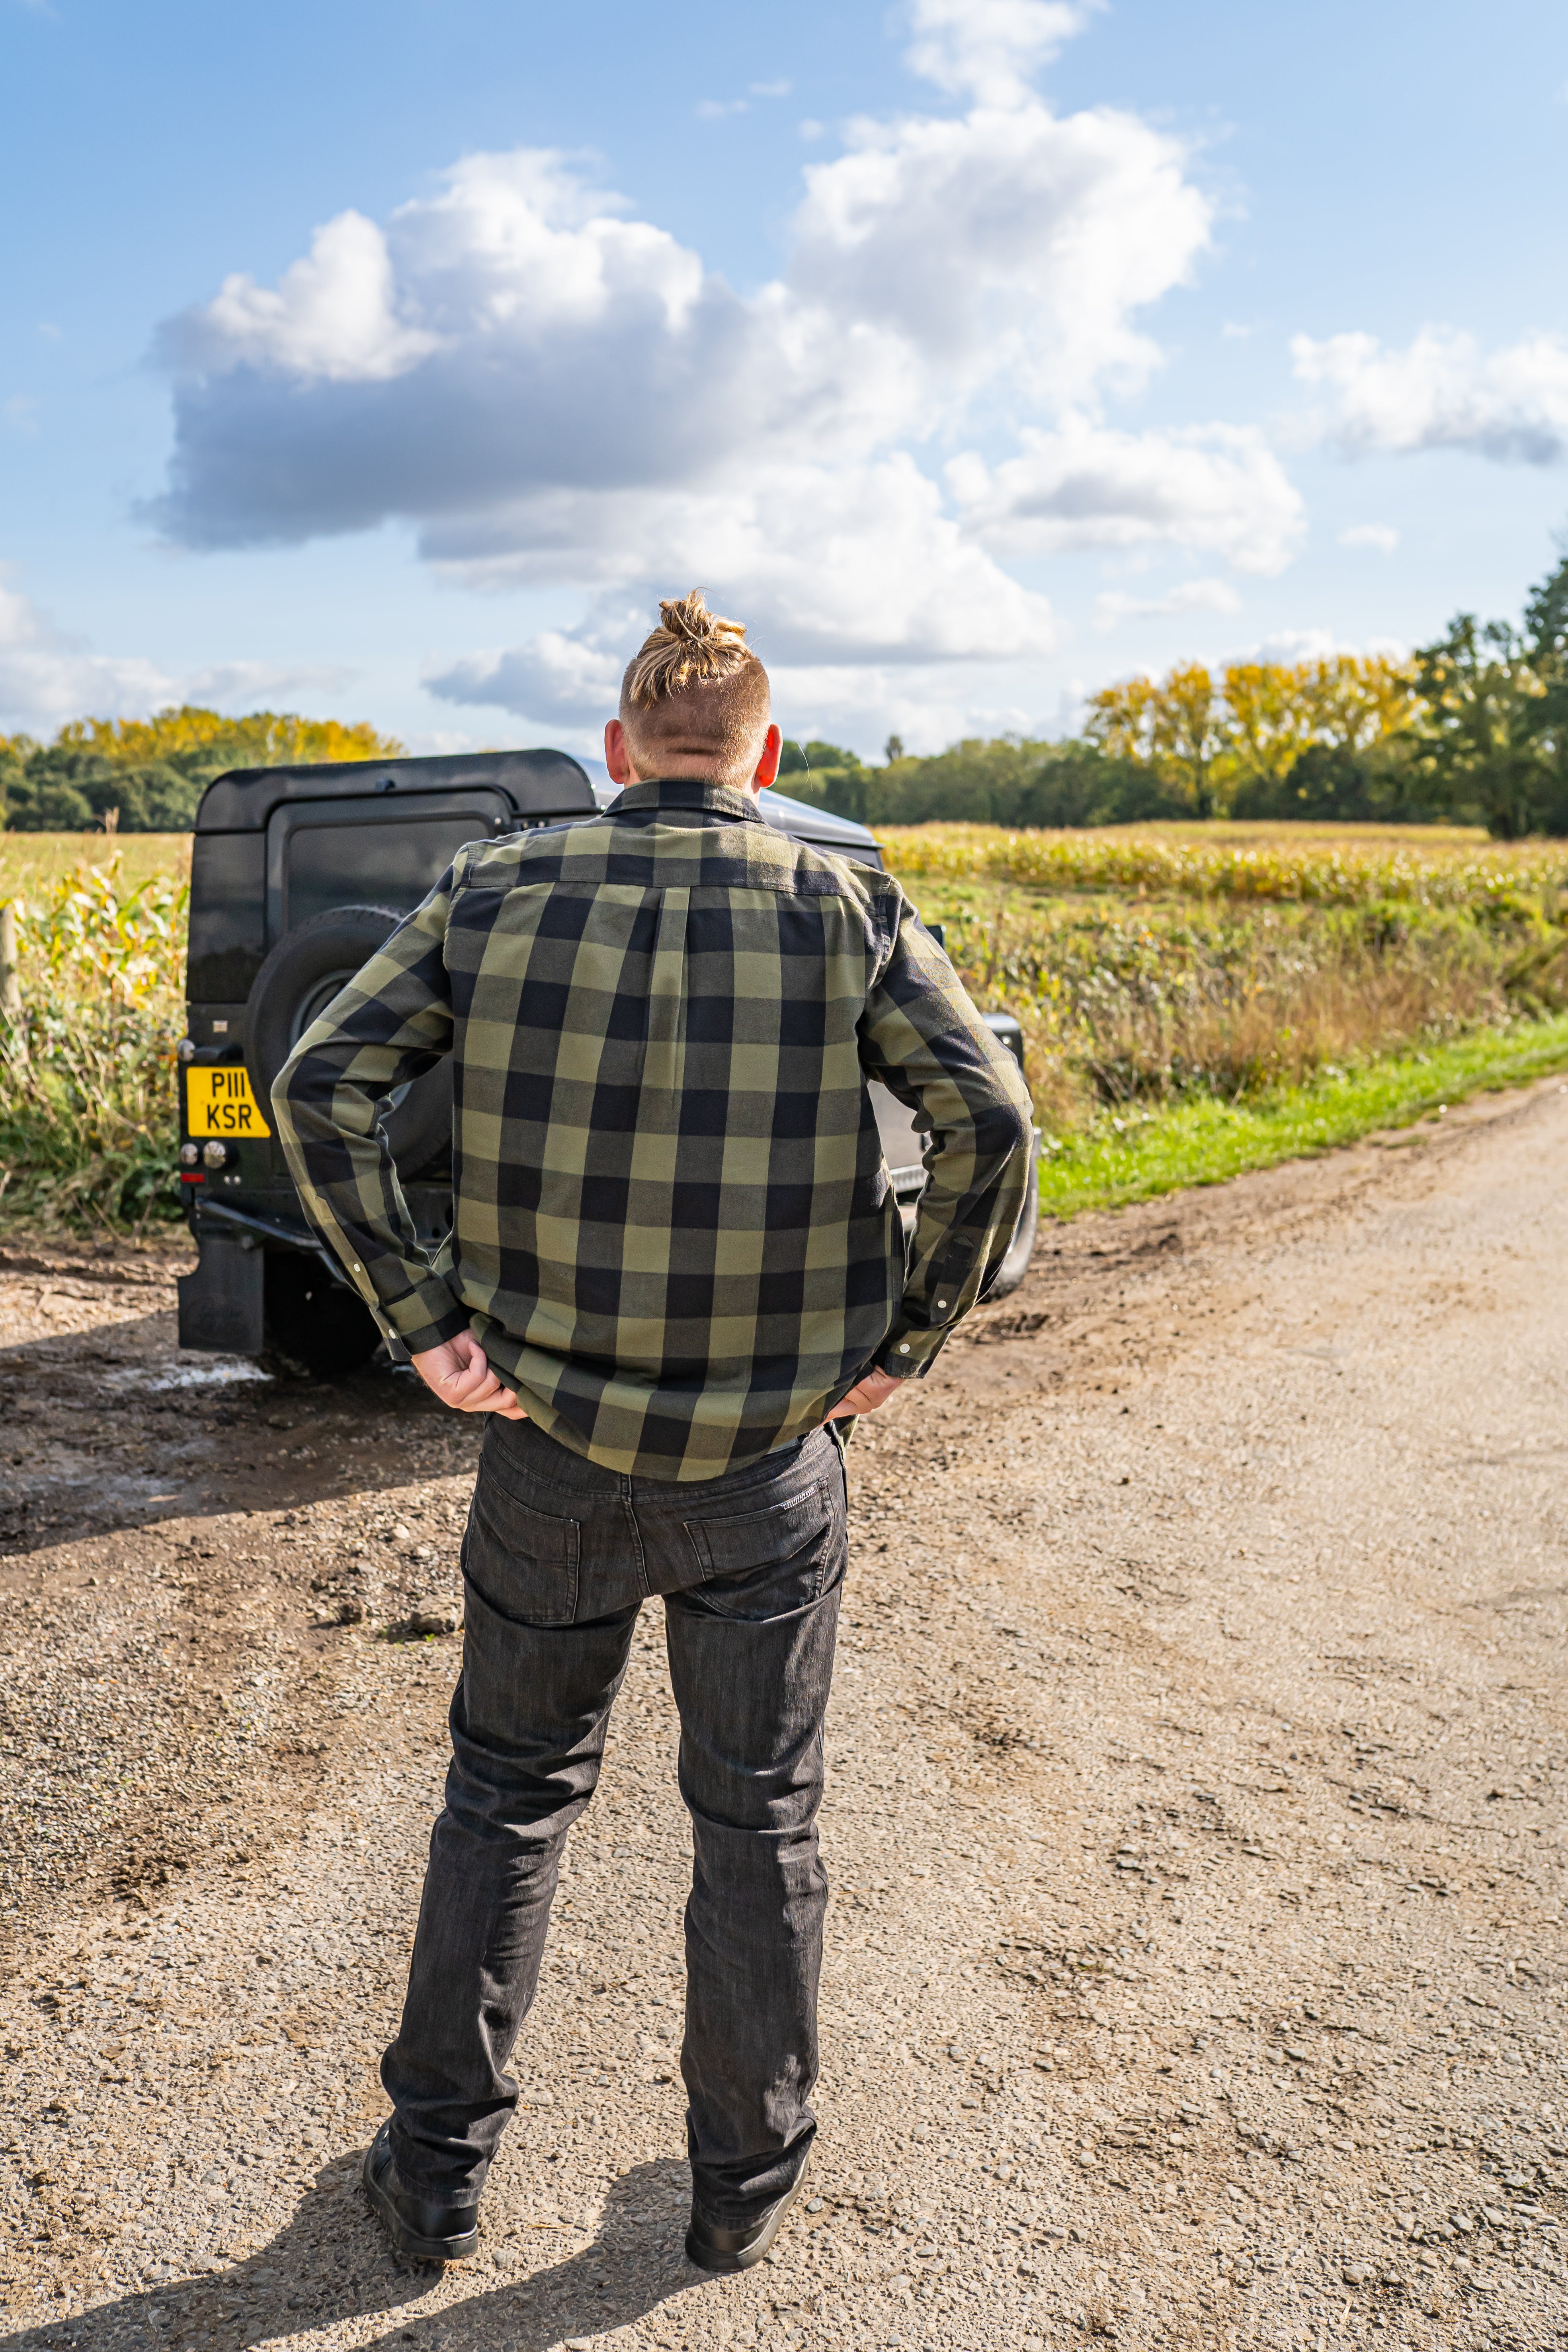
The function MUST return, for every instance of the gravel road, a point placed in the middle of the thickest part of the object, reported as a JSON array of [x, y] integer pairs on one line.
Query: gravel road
[[1196, 1972]]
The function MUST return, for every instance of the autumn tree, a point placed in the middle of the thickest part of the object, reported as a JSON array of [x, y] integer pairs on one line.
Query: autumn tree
[[190, 736], [1207, 742], [1267, 722], [1357, 702], [147, 775]]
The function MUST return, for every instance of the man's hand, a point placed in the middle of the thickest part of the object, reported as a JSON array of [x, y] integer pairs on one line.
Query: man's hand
[[457, 1374], [866, 1396]]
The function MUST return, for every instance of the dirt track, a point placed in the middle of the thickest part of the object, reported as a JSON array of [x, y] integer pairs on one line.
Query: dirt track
[[1195, 1974]]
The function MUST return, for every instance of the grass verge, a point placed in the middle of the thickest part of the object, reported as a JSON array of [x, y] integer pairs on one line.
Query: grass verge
[[1202, 1140]]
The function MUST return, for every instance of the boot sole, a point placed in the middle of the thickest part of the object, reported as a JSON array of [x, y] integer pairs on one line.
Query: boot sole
[[407, 2240]]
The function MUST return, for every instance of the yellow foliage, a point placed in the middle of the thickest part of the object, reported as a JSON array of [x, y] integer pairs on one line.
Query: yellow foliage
[[1175, 726], [1120, 718], [1187, 732], [262, 738], [1206, 739], [1356, 702], [1270, 721]]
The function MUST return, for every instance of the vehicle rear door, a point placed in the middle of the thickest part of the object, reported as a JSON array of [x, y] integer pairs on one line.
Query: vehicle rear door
[[383, 849]]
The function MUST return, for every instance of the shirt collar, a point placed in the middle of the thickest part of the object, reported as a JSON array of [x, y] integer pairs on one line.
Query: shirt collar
[[688, 792]]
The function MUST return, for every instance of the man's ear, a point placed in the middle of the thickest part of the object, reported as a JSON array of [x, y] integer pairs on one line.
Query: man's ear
[[767, 767], [618, 757]]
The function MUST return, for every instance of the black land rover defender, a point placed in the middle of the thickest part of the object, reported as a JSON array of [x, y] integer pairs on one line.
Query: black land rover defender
[[297, 876]]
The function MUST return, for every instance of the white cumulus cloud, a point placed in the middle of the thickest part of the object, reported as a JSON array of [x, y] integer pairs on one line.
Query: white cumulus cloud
[[1007, 247], [556, 680], [556, 392], [334, 315], [516, 334], [1216, 487], [1442, 392], [1292, 645], [846, 563], [849, 569], [988, 49]]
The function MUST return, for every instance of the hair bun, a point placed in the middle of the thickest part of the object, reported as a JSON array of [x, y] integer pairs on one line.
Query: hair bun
[[692, 646]]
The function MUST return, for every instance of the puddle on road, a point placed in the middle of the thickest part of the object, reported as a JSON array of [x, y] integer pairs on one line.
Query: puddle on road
[[212, 1371]]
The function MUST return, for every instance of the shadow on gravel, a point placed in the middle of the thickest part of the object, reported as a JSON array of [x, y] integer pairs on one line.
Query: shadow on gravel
[[113, 1428], [333, 2264]]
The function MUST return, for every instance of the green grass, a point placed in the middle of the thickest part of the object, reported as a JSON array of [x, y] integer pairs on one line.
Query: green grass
[[1203, 1141]]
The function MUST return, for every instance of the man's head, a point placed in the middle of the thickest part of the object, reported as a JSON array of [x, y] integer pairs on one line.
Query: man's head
[[694, 702]]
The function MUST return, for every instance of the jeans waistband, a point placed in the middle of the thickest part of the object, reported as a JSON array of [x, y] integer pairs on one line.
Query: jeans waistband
[[523, 1446]]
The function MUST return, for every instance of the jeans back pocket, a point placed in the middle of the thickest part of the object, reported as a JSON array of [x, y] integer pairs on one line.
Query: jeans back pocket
[[764, 1562], [521, 1563]]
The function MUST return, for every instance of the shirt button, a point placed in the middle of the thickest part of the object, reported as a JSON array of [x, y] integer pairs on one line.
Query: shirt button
[[941, 1302], [903, 1347]]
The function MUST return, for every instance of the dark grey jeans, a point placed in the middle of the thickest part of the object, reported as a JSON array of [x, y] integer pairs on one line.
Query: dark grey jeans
[[559, 1556]]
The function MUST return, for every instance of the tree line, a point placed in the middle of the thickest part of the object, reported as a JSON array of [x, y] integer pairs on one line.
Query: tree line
[[146, 775], [1472, 728]]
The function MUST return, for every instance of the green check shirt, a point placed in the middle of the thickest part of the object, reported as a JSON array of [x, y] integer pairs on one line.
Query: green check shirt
[[674, 1231]]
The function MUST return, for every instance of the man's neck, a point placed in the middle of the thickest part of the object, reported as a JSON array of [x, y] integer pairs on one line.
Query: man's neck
[[752, 789]]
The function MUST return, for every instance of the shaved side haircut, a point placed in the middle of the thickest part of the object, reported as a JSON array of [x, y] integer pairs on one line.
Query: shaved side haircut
[[695, 696]]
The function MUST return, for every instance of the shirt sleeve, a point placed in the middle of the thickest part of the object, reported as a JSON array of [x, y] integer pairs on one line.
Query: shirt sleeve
[[390, 1025], [923, 1039]]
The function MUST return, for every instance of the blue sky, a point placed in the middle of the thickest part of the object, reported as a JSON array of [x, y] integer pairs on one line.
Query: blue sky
[[392, 360]]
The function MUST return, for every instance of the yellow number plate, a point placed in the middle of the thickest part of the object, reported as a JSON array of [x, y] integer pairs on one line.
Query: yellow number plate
[[218, 1101]]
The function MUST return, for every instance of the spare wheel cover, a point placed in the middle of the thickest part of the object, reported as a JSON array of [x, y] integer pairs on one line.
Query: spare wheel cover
[[300, 977]]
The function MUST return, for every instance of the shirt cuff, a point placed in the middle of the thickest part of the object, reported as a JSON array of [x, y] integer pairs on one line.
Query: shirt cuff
[[425, 1315], [909, 1352]]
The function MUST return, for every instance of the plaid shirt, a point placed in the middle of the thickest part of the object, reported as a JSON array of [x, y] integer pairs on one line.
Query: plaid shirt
[[674, 1231]]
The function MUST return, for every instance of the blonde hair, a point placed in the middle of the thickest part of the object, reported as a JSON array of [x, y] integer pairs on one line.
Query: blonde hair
[[695, 691]]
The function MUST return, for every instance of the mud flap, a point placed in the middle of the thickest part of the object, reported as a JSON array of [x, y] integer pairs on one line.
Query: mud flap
[[221, 1303]]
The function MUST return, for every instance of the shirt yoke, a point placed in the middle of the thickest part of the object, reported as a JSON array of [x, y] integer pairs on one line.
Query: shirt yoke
[[658, 851]]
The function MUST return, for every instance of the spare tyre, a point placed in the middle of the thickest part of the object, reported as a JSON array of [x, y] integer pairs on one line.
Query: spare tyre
[[309, 966]]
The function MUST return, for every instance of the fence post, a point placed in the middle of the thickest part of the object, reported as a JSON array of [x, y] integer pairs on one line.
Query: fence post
[[10, 982]]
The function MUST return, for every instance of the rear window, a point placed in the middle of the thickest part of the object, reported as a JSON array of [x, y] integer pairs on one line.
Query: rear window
[[387, 864], [370, 852]]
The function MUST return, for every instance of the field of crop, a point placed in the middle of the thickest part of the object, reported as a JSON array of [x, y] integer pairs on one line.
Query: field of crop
[[1352, 865], [1195, 1000], [34, 862], [88, 1109]]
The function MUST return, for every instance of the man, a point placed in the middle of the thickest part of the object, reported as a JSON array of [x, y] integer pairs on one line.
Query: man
[[676, 1262]]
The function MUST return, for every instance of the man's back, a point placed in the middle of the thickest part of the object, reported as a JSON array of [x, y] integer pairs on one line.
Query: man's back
[[676, 1236], [674, 1231]]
